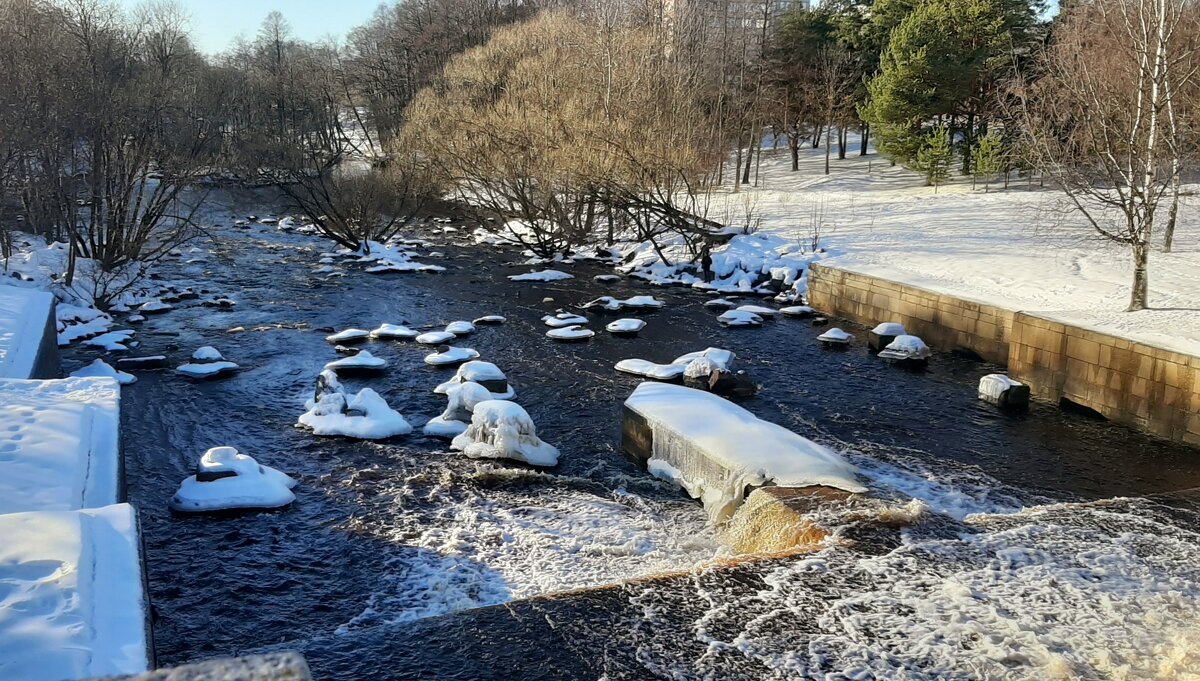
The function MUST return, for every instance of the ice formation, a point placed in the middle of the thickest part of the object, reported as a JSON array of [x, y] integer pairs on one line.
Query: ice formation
[[693, 364], [739, 318], [570, 333], [613, 304], [207, 354], [365, 416], [394, 332], [104, 369], [227, 479], [485, 374], [699, 441], [451, 355], [491, 319], [543, 275], [348, 336], [906, 347], [993, 386], [435, 337], [459, 409], [503, 430]]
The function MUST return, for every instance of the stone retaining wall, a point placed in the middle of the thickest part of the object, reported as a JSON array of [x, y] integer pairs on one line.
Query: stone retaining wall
[[1149, 388], [942, 321]]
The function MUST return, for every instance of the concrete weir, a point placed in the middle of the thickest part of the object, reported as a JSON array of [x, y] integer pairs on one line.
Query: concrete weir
[[1153, 389]]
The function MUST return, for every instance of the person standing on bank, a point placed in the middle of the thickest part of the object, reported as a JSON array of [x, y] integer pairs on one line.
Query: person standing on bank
[[706, 264]]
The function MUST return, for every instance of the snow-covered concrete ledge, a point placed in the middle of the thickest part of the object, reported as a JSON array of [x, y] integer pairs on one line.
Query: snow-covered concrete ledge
[[718, 452], [74, 601], [28, 333], [286, 666], [59, 444]]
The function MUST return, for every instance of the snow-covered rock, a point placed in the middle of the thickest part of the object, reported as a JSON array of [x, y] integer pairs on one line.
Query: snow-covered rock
[[393, 332], [484, 373], [226, 479], [906, 347], [720, 304], [435, 337], [490, 319], [739, 318], [503, 430], [889, 329], [100, 368], [349, 336], [1004, 391], [74, 605], [113, 341], [207, 354], [694, 432], [625, 327], [363, 361], [647, 369], [459, 410], [365, 416], [758, 310], [836, 336], [702, 364], [797, 311], [154, 307], [460, 328], [563, 319], [543, 275], [613, 304], [451, 355], [201, 370], [570, 333], [606, 278]]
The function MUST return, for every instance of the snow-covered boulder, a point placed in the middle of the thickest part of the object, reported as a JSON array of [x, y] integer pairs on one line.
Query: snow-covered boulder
[[759, 310], [702, 364], [570, 334], [646, 369], [363, 362], [485, 374], [1003, 391], [720, 304], [207, 354], [739, 318], [906, 348], [625, 327], [104, 369], [563, 319], [113, 341], [365, 416], [503, 430], [883, 334], [490, 319], [448, 355], [349, 336], [801, 311], [435, 337], [642, 302], [228, 480], [460, 328], [459, 410], [543, 275], [206, 370], [836, 337], [698, 441], [393, 332]]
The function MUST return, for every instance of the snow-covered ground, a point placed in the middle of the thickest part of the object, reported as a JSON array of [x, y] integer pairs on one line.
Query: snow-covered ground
[[1020, 248], [23, 314], [59, 447], [71, 599]]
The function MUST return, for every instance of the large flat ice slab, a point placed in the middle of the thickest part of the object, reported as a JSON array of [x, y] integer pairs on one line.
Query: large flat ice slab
[[715, 450], [24, 327], [59, 448], [72, 604]]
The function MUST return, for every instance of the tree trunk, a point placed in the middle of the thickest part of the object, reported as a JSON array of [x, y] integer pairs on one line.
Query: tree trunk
[[1173, 211], [794, 147], [1141, 279], [862, 143], [842, 143], [816, 142], [750, 156], [828, 131]]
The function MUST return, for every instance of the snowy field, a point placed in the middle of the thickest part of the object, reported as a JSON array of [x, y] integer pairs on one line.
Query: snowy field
[[1019, 248]]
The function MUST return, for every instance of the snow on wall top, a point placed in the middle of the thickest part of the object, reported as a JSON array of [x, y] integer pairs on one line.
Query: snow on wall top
[[59, 447], [753, 451], [75, 607], [23, 314]]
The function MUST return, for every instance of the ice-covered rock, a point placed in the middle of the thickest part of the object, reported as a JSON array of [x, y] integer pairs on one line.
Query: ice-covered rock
[[603, 303], [207, 354], [104, 369], [563, 319], [154, 307], [625, 327], [613, 304], [393, 332], [883, 334], [362, 362], [659, 372], [202, 370], [503, 430], [645, 302], [113, 341], [450, 355], [491, 319], [699, 441], [227, 480], [484, 373], [459, 410], [702, 364], [543, 275], [739, 318], [906, 348], [460, 328], [349, 336], [835, 336], [801, 311], [365, 416], [435, 337], [1003, 391], [570, 333]]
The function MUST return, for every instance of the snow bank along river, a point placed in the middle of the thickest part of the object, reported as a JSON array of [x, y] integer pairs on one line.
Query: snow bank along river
[[1026, 563]]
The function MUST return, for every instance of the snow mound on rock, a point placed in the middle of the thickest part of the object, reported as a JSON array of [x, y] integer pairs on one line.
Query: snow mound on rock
[[228, 479], [365, 416], [504, 430]]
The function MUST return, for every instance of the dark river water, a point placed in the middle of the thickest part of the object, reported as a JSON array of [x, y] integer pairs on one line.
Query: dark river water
[[386, 565]]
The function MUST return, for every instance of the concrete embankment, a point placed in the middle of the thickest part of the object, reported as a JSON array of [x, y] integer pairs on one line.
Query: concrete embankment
[[1153, 389]]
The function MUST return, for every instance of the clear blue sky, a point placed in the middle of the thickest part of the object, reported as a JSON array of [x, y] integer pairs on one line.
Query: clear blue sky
[[215, 23]]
